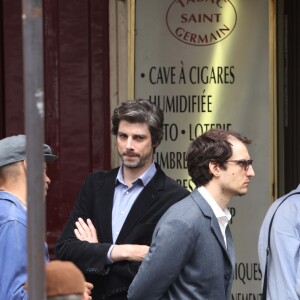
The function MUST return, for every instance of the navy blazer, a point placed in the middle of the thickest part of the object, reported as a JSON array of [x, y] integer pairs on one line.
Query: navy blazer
[[188, 258], [95, 201]]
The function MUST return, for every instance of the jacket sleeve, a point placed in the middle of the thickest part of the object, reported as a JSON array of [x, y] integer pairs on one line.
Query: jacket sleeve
[[91, 258], [13, 261]]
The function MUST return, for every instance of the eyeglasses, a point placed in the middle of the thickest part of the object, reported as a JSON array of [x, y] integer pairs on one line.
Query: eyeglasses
[[243, 162]]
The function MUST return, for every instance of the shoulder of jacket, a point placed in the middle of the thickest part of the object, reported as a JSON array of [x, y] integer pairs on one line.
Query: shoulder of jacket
[[102, 174]]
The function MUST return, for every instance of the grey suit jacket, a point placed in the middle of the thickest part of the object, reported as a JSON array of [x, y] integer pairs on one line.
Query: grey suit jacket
[[188, 258]]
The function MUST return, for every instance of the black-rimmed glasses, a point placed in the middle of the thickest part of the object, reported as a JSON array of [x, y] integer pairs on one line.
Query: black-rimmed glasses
[[242, 162]]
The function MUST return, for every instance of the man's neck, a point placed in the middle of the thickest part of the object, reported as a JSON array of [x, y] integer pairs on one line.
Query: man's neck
[[221, 198], [131, 174], [18, 192]]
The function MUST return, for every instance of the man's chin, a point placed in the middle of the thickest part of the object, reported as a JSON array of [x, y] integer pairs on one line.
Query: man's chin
[[242, 193], [131, 165]]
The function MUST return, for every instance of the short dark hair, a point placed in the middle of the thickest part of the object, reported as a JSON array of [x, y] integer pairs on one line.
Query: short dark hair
[[140, 111], [212, 146]]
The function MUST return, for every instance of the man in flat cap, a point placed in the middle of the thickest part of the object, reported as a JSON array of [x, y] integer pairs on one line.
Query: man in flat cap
[[13, 219]]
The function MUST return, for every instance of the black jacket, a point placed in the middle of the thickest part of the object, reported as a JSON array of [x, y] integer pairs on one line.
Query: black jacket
[[95, 201]]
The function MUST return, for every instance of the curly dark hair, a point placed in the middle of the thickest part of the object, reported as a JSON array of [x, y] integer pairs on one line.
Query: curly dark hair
[[212, 146], [140, 111]]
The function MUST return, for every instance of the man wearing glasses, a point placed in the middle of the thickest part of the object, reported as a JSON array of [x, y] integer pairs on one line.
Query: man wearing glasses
[[192, 253]]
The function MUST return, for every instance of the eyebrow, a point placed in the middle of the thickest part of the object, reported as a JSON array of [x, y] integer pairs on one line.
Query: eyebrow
[[135, 134]]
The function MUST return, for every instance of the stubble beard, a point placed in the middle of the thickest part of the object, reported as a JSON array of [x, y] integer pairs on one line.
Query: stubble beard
[[233, 192], [132, 165], [140, 163], [241, 193]]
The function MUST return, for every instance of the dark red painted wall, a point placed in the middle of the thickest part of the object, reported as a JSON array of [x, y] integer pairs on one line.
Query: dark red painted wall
[[12, 62], [1, 80], [77, 116]]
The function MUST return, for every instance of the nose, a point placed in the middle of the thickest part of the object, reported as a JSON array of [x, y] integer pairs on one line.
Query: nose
[[129, 143], [250, 171], [47, 179]]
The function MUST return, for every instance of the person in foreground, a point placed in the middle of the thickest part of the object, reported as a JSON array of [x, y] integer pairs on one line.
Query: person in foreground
[[111, 225], [13, 215], [192, 253], [64, 281], [283, 273]]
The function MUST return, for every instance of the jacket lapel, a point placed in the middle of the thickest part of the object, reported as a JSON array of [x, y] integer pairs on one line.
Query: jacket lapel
[[230, 246], [215, 227], [104, 208], [217, 231]]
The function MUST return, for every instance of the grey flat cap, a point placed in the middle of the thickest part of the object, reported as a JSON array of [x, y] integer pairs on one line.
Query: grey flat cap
[[12, 149]]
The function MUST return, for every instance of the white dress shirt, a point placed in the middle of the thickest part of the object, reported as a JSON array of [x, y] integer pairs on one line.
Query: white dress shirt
[[223, 216]]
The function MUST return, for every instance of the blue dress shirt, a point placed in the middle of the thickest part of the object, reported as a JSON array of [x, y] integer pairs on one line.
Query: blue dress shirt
[[124, 197], [284, 259]]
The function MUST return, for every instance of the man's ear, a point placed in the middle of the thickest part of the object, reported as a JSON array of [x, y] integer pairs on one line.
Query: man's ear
[[24, 164], [214, 168]]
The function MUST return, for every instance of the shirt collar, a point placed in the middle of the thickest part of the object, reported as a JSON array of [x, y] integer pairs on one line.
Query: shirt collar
[[224, 215], [144, 178], [9, 196]]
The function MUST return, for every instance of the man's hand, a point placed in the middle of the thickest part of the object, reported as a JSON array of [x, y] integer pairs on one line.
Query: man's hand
[[129, 252], [86, 231], [87, 291]]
